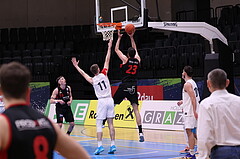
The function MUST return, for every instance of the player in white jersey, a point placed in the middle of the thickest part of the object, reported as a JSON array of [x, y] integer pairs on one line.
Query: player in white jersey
[[105, 107], [190, 101]]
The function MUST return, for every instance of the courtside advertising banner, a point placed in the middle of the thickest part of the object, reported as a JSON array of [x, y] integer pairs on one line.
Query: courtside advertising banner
[[79, 109], [165, 115], [159, 114], [91, 113], [50, 111], [124, 115]]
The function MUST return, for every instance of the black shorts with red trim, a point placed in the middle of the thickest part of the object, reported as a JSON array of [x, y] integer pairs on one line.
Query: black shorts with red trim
[[65, 112]]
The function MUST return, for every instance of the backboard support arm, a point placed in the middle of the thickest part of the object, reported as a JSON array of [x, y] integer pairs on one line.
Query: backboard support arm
[[205, 30]]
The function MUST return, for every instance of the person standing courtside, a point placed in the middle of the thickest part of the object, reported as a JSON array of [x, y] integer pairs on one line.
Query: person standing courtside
[[105, 108], [62, 97], [128, 87], [27, 133], [218, 122], [190, 101]]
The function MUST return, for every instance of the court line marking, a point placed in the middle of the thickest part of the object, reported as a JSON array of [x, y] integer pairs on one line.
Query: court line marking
[[136, 154], [82, 136], [149, 142], [85, 129], [135, 147], [126, 154]]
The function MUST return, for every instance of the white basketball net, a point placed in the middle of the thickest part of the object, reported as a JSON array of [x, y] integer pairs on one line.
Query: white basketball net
[[107, 35]]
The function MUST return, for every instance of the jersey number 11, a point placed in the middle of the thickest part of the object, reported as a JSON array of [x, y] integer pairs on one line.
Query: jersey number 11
[[102, 83]]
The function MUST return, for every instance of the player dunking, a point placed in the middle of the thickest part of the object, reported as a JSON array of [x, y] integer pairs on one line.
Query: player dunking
[[105, 108], [62, 97], [128, 87], [24, 132]]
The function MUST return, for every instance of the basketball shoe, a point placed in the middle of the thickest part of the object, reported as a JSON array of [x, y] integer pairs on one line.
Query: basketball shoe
[[185, 151], [112, 149], [141, 138], [99, 150], [189, 156]]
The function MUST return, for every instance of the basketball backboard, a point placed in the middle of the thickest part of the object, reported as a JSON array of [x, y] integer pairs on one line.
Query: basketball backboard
[[124, 11]]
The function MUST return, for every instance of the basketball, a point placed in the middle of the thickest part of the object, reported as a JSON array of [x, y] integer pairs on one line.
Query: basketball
[[130, 28]]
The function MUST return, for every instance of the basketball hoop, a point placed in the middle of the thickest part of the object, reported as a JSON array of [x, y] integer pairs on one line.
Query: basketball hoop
[[108, 29]]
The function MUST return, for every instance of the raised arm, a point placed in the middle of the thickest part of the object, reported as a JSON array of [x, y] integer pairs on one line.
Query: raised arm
[[134, 46], [119, 53], [107, 59], [86, 76]]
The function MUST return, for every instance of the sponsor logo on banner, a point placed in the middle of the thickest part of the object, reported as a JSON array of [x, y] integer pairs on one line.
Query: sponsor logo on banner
[[127, 116], [79, 109], [162, 115], [154, 92], [124, 115]]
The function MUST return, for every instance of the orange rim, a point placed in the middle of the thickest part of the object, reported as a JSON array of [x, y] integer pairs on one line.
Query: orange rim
[[118, 26]]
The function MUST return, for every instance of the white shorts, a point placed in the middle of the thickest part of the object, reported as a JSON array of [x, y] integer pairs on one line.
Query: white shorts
[[105, 108], [190, 122]]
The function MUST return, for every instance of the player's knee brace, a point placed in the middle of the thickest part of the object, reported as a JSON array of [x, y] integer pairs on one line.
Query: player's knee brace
[[99, 125]]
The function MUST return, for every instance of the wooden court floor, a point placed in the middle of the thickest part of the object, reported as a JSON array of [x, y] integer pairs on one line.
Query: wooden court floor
[[159, 144]]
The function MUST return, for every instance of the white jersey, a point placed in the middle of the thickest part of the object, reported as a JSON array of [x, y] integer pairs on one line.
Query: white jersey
[[187, 103], [101, 86]]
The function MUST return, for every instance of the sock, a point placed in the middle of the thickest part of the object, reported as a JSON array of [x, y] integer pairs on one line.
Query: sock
[[140, 134], [112, 142], [99, 143], [140, 129], [191, 151], [70, 128]]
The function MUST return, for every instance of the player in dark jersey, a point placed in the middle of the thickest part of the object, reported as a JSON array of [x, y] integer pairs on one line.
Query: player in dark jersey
[[128, 87], [27, 133], [62, 96]]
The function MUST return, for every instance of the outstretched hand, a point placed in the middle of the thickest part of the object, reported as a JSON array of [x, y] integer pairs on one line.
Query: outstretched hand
[[119, 34], [74, 61]]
